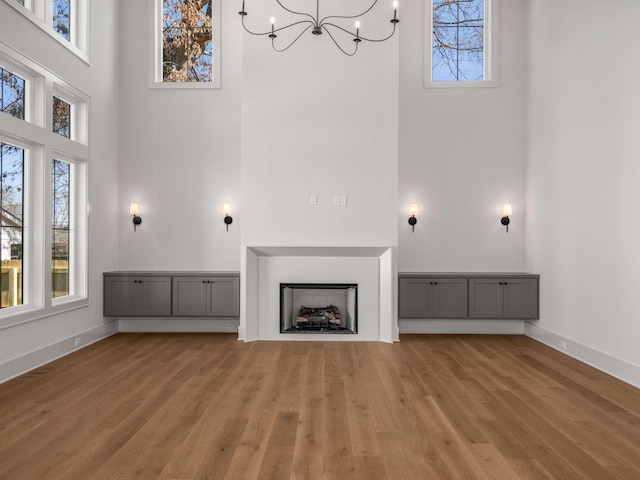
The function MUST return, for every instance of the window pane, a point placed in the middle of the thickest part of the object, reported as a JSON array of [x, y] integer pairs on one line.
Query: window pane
[[187, 41], [11, 94], [60, 223], [61, 117], [11, 224], [458, 40], [62, 18]]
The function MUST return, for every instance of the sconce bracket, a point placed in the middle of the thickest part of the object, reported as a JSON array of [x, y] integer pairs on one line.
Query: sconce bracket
[[228, 220], [137, 220], [412, 221], [505, 221]]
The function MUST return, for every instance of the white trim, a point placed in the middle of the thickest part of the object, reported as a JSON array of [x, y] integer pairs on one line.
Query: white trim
[[461, 326], [81, 24], [621, 369], [155, 47], [491, 51], [24, 363]]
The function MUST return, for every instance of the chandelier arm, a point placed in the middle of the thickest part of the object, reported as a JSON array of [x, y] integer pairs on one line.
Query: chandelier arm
[[273, 44], [360, 36], [277, 29], [315, 20], [349, 16], [337, 44]]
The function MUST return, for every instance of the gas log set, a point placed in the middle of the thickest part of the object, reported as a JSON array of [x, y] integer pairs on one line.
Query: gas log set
[[318, 318]]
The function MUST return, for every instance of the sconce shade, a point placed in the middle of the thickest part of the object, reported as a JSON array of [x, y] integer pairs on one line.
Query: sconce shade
[[134, 209], [413, 209]]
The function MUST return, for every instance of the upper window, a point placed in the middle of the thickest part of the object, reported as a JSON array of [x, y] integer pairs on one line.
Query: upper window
[[61, 117], [187, 43], [459, 43], [62, 18], [11, 94], [67, 21]]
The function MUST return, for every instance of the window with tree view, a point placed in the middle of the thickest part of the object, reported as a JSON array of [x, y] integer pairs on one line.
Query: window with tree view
[[62, 18], [11, 94], [60, 228], [11, 226], [61, 117], [187, 40], [458, 40]]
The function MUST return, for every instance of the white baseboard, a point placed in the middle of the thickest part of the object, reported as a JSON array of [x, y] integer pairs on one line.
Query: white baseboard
[[19, 365], [625, 371], [462, 326], [179, 325]]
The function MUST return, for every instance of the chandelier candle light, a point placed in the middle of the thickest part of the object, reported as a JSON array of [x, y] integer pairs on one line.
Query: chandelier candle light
[[320, 25]]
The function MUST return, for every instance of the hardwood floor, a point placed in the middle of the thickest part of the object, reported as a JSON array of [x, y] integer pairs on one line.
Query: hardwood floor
[[205, 406]]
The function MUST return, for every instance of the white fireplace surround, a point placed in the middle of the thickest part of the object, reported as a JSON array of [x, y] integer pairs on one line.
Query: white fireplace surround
[[371, 268]]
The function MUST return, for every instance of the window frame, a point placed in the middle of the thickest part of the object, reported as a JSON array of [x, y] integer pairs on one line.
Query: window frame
[[41, 146], [155, 61], [40, 13], [490, 56]]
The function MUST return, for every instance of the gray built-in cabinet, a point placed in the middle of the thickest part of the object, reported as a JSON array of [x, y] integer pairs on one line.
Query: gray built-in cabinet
[[433, 297], [207, 296], [468, 295], [172, 294]]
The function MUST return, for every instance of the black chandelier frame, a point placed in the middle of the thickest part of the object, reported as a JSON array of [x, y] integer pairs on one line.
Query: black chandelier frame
[[319, 25]]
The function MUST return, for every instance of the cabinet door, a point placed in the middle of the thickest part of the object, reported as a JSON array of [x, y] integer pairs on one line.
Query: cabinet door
[[450, 298], [520, 298], [190, 296], [415, 297], [120, 297], [485, 298], [224, 297], [154, 296]]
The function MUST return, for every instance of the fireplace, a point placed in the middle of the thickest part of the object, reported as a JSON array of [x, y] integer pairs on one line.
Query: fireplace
[[318, 308]]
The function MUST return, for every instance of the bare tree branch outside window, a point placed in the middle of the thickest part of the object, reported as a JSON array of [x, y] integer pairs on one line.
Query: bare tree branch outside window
[[11, 94], [458, 40], [61, 117], [62, 18], [187, 44]]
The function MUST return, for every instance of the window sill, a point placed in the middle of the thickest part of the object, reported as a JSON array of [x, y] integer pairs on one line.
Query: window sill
[[483, 84], [14, 316], [184, 85]]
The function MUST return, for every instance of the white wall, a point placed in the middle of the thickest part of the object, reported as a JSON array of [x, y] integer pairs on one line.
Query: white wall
[[583, 170], [316, 122], [462, 157], [53, 335], [179, 157]]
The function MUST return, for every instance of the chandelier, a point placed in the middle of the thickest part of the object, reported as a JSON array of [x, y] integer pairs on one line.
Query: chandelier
[[320, 25]]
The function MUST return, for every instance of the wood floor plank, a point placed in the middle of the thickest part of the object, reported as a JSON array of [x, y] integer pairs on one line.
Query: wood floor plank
[[205, 406]]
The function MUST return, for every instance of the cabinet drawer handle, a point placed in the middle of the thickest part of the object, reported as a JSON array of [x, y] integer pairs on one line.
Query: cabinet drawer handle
[[435, 283]]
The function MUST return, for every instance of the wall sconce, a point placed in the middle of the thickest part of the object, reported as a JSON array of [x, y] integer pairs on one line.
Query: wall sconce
[[134, 211], [413, 211], [226, 211], [506, 213]]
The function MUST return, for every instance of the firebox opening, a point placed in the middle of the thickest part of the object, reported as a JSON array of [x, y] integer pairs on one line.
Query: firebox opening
[[319, 308]]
